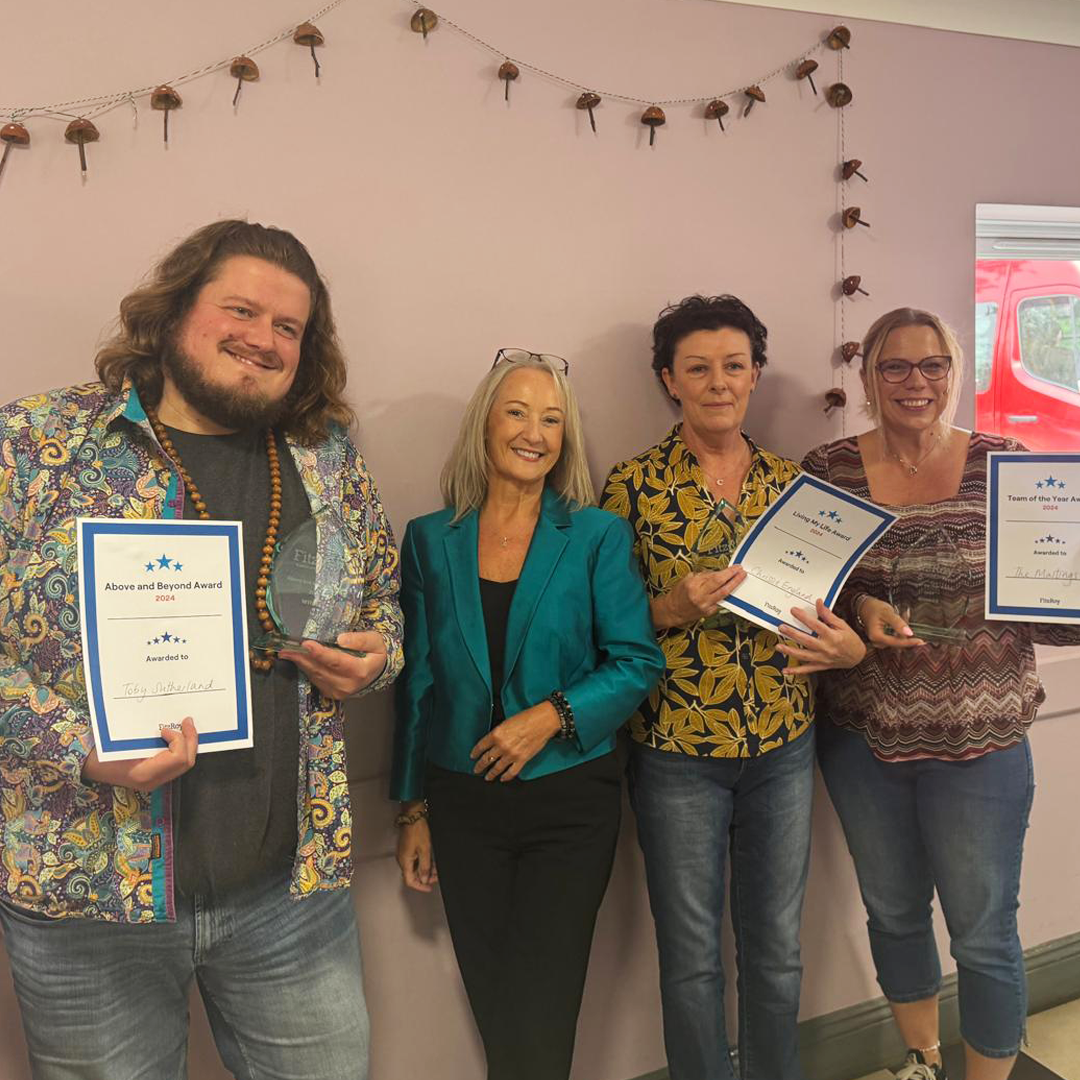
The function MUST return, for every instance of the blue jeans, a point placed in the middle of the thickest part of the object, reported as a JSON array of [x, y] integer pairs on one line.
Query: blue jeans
[[280, 979], [956, 825], [688, 810]]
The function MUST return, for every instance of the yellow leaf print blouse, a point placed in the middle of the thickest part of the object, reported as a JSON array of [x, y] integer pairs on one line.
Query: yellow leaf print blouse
[[722, 693]]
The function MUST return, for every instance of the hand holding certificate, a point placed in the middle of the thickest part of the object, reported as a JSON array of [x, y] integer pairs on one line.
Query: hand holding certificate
[[1033, 537], [803, 548], [164, 634]]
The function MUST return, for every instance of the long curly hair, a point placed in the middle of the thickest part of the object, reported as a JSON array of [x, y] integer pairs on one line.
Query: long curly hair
[[151, 316]]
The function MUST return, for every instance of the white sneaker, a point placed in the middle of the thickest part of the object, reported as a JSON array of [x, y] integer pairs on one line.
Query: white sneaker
[[915, 1067]]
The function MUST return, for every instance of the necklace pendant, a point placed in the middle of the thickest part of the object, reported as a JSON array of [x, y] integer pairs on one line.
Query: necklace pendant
[[912, 470], [504, 541]]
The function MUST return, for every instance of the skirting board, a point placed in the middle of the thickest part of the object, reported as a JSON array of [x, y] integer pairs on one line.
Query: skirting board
[[861, 1039]]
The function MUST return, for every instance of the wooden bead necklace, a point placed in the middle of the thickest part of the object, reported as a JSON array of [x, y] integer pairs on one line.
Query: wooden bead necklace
[[258, 662]]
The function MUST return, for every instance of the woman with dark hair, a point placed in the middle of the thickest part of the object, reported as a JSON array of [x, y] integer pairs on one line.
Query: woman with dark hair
[[528, 644], [924, 747], [723, 748]]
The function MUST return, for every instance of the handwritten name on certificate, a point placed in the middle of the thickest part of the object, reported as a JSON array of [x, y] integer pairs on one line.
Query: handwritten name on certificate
[[1033, 537], [803, 547], [164, 633]]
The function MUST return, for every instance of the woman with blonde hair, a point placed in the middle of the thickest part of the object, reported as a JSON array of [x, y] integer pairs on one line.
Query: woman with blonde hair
[[923, 745], [528, 643]]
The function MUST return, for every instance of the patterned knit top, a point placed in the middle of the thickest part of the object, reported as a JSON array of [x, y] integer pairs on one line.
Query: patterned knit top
[[953, 701]]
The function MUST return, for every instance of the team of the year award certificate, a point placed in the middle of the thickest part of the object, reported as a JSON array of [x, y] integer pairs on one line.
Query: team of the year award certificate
[[1033, 537], [164, 633], [802, 548]]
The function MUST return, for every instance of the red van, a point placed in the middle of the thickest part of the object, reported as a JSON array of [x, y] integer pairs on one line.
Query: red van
[[1027, 351]]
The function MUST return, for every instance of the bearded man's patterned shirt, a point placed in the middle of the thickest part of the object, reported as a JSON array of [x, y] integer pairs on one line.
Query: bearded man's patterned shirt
[[84, 849]]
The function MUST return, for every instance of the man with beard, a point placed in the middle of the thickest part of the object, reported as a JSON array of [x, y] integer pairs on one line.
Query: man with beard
[[120, 882]]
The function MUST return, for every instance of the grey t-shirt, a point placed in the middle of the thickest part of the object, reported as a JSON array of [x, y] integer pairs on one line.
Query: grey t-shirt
[[237, 808]]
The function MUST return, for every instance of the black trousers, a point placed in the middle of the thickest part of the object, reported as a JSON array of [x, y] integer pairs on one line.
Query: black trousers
[[522, 869]]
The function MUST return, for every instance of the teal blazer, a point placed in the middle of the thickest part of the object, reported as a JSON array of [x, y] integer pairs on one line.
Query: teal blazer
[[579, 622]]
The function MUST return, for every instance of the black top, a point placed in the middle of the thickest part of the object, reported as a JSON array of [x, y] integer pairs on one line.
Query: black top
[[237, 814], [495, 598]]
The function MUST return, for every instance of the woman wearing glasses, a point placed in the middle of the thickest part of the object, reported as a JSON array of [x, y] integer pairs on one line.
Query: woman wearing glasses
[[923, 747], [723, 749], [527, 644]]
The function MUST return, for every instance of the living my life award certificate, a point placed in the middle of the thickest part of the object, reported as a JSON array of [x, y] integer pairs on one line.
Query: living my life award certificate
[[164, 633], [803, 547], [1033, 537]]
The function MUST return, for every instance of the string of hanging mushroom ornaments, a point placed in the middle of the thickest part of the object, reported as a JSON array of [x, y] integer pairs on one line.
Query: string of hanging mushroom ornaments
[[81, 130]]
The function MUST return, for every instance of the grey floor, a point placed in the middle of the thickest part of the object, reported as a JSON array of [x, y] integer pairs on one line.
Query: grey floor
[[1053, 1050]]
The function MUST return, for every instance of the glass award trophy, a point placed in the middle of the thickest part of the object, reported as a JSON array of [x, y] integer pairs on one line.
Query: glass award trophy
[[309, 584], [934, 590], [712, 550]]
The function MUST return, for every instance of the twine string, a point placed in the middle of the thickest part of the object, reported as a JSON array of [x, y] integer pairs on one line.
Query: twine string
[[91, 107]]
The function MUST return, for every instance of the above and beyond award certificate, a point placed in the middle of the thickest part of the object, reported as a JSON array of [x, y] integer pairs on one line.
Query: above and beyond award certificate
[[164, 633], [1033, 537], [802, 548]]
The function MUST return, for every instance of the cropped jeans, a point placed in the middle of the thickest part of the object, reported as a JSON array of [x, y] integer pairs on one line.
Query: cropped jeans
[[280, 979], [689, 811], [958, 826]]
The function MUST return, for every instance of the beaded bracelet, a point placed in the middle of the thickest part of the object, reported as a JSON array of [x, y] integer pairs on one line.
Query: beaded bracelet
[[411, 817], [567, 727]]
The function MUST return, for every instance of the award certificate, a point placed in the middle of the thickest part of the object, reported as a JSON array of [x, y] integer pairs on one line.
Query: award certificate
[[1033, 537], [803, 547], [164, 633]]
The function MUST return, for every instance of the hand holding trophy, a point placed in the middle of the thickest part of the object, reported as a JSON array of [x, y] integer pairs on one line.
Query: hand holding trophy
[[308, 593]]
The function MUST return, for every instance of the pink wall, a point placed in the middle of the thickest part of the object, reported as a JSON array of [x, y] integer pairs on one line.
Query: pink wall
[[450, 225]]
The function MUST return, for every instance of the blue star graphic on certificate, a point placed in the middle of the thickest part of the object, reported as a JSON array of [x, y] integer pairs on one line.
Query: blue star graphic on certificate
[[834, 516], [177, 566], [150, 565], [1051, 482], [1039, 485], [166, 636], [821, 513], [164, 562]]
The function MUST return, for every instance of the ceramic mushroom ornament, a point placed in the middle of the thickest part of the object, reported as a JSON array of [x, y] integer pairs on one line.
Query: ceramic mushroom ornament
[[838, 95], [80, 132], [508, 72], [589, 101], [754, 94], [243, 69], [653, 117], [852, 284], [12, 134], [310, 35], [852, 216], [839, 38], [806, 71], [423, 21], [851, 168], [165, 99], [717, 110], [849, 350], [834, 399]]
